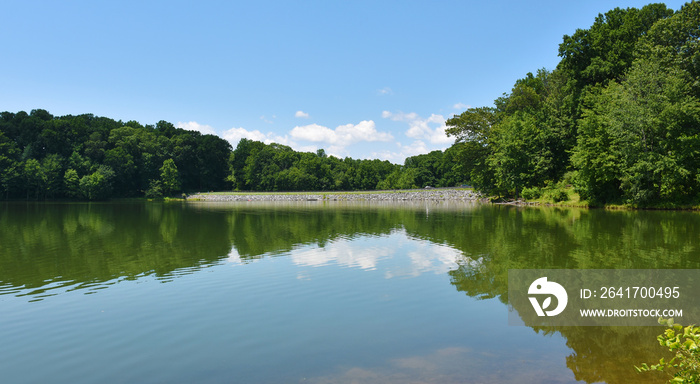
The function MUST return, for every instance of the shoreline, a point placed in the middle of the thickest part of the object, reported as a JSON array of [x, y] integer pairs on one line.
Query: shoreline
[[433, 194], [409, 195]]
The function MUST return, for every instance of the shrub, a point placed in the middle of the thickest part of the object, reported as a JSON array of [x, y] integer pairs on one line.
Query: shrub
[[685, 343], [559, 194], [154, 190], [531, 193]]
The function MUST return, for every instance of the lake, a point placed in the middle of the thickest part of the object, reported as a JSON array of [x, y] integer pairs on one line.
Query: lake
[[313, 292]]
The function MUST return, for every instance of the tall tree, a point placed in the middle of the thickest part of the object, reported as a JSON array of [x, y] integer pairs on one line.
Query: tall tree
[[97, 185], [472, 130], [71, 183], [52, 175], [169, 177], [33, 178]]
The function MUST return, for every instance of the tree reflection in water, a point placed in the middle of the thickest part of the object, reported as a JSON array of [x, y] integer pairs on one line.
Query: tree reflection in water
[[53, 246]]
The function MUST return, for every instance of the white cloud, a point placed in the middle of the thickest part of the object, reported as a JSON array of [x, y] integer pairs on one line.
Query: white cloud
[[425, 135], [342, 135], [234, 135], [265, 119], [417, 147], [431, 129], [461, 106], [337, 151], [313, 132], [385, 91], [301, 114], [195, 126]]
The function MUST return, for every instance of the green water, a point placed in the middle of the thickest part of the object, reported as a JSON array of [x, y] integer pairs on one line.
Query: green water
[[312, 293]]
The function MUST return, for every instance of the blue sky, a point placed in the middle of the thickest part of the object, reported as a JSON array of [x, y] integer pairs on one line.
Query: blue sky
[[366, 79]]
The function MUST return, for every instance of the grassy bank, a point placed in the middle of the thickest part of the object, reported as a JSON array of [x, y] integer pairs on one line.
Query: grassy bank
[[568, 197]]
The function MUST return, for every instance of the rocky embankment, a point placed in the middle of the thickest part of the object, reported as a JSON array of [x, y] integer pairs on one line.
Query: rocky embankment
[[437, 194]]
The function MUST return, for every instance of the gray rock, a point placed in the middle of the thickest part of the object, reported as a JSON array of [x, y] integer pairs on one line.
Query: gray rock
[[432, 194]]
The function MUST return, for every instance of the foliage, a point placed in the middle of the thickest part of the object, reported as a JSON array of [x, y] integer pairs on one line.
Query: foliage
[[167, 239], [155, 190], [474, 124], [89, 157], [684, 343], [511, 159], [71, 183], [52, 172], [531, 193], [620, 113], [8, 163], [557, 193], [33, 177], [169, 178], [97, 185], [640, 139], [256, 166], [434, 169]]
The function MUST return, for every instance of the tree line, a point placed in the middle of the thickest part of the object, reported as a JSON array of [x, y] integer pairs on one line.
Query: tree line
[[95, 158], [618, 118], [256, 166]]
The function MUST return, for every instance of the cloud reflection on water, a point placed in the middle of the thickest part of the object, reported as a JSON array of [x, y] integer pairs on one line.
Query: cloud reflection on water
[[410, 257], [455, 365]]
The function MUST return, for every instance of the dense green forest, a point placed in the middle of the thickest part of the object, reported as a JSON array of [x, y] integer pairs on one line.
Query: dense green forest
[[256, 166], [618, 120], [95, 158], [88, 157]]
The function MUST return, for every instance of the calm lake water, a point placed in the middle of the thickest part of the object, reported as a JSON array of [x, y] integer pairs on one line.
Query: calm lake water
[[312, 293]]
